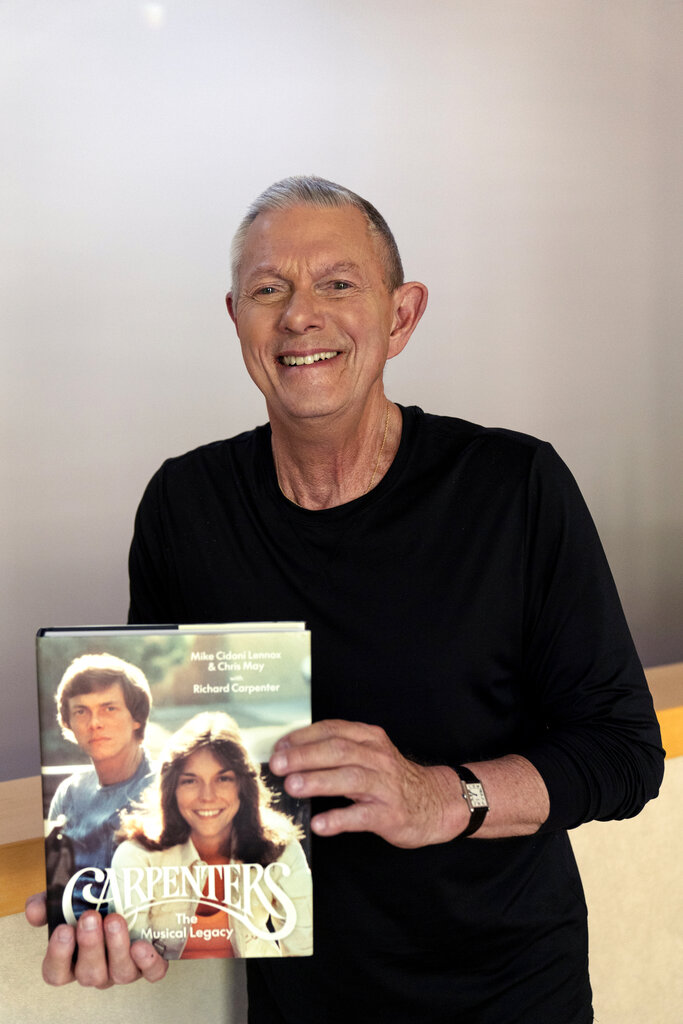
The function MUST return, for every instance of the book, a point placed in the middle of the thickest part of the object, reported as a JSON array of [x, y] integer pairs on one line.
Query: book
[[157, 798]]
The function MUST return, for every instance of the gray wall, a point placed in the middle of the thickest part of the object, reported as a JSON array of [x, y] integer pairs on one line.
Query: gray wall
[[528, 155]]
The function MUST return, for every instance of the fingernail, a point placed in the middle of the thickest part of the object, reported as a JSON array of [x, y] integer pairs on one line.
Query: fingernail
[[278, 762], [319, 825], [113, 926], [282, 744], [64, 935], [89, 924], [295, 783]]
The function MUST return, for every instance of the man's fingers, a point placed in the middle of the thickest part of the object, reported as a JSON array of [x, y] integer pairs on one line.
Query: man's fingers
[[359, 732], [91, 966], [405, 803], [36, 910], [330, 744], [105, 954], [353, 781], [151, 965], [57, 963], [122, 969], [356, 818]]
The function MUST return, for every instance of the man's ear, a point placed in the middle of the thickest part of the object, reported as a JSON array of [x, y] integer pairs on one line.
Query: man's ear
[[410, 302], [231, 308]]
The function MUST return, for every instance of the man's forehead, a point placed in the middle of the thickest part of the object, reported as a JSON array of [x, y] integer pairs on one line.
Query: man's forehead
[[321, 266], [108, 695], [335, 235]]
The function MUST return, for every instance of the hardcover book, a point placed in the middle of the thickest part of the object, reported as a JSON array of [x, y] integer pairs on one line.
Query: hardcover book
[[157, 798]]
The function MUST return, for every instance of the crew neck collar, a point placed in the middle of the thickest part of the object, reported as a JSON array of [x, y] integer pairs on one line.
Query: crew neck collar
[[408, 414]]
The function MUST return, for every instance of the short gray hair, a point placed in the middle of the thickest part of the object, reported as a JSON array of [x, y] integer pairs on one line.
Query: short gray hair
[[301, 190]]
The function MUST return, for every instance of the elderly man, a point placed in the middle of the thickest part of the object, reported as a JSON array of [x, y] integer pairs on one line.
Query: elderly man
[[468, 642]]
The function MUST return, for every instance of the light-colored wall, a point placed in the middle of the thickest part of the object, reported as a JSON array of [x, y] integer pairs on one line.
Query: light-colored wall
[[633, 881], [209, 990], [528, 155]]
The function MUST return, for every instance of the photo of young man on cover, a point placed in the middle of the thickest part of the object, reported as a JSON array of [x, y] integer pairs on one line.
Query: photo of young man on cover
[[103, 705]]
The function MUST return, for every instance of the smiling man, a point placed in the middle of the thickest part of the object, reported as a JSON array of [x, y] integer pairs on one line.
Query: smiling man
[[476, 690], [318, 312], [103, 705]]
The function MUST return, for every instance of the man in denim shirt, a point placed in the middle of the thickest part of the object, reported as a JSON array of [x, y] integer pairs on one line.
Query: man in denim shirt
[[103, 705]]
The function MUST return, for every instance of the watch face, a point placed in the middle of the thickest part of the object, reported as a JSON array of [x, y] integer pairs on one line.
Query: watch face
[[476, 795]]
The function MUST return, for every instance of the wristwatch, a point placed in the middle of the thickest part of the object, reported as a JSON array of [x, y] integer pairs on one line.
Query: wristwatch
[[474, 796]]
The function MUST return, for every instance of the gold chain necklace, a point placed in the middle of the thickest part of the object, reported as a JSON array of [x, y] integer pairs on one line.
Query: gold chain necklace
[[374, 472], [379, 453]]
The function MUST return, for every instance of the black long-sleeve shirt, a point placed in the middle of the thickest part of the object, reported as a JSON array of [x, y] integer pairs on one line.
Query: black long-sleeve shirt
[[465, 605]]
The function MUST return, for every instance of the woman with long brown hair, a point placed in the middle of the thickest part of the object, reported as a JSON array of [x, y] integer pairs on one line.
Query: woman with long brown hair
[[208, 867]]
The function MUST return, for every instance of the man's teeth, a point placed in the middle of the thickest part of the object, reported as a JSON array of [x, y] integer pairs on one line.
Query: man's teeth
[[306, 360]]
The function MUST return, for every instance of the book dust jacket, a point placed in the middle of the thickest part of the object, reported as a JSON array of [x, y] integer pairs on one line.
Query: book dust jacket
[[157, 798]]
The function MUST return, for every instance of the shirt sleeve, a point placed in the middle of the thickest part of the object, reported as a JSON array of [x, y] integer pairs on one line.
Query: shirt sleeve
[[57, 808], [600, 754], [153, 594]]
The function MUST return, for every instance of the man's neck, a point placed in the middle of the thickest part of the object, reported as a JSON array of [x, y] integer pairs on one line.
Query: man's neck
[[120, 768], [321, 466]]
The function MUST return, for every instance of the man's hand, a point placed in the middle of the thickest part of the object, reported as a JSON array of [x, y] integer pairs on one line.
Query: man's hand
[[105, 954], [409, 805]]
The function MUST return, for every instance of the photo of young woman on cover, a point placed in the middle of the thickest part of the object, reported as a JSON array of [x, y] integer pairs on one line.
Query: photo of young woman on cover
[[207, 867]]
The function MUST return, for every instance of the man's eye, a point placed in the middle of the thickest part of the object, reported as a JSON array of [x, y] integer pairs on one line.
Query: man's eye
[[267, 289], [340, 286]]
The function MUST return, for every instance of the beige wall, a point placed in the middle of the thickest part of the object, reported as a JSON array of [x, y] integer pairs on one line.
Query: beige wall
[[633, 879], [211, 990]]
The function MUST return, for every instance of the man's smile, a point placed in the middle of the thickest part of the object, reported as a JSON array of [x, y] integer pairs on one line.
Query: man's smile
[[312, 357]]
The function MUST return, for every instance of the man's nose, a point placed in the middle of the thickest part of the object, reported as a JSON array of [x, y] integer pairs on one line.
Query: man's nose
[[302, 313]]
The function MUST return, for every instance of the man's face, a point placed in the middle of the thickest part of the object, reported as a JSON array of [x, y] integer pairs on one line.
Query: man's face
[[314, 315], [102, 724]]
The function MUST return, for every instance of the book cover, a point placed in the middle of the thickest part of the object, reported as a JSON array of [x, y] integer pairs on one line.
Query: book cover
[[157, 798]]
